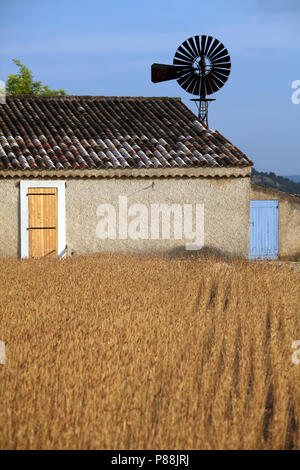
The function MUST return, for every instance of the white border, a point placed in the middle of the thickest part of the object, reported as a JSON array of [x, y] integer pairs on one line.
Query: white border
[[61, 213]]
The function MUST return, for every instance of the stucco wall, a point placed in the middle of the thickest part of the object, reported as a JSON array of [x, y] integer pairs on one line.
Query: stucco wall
[[226, 212], [9, 218], [288, 218]]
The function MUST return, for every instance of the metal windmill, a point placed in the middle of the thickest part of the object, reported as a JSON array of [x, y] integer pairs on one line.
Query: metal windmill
[[201, 66]]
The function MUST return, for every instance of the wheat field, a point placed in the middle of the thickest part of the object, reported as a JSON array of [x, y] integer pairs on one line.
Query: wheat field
[[119, 352]]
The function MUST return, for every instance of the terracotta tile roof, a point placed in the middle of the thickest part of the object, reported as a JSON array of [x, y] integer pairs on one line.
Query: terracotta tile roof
[[91, 132]]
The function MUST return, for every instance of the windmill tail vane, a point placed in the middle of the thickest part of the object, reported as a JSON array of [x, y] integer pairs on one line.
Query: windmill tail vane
[[201, 66]]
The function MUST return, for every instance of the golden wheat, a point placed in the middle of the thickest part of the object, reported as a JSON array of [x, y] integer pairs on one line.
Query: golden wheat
[[116, 352]]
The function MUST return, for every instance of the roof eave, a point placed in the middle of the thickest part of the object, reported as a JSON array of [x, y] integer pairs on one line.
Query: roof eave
[[203, 172]]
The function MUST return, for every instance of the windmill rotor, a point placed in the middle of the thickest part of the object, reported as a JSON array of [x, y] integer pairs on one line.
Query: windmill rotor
[[201, 66]]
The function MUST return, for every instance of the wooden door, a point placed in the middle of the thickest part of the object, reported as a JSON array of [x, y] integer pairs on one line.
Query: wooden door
[[42, 222]]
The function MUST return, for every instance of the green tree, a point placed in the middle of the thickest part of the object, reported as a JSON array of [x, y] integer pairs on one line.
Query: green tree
[[22, 83]]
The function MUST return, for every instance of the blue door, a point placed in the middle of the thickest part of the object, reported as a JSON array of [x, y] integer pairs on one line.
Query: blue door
[[264, 229]]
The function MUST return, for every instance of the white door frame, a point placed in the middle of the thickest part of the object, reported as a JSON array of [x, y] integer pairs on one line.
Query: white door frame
[[61, 214]]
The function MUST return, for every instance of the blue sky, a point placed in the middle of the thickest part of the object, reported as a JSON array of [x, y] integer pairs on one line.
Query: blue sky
[[96, 47]]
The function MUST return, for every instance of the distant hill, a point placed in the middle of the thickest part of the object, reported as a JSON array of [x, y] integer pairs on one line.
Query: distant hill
[[295, 178], [277, 182]]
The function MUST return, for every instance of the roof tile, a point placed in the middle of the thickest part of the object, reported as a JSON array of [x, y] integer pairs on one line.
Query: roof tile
[[40, 132]]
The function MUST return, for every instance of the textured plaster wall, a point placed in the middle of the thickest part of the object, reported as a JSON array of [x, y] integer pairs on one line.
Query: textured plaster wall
[[226, 213], [288, 218], [9, 218]]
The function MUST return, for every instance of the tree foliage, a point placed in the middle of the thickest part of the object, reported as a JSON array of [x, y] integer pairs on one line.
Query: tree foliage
[[22, 83], [274, 181]]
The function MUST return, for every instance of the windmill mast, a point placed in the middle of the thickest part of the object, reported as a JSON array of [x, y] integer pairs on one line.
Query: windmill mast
[[202, 105]]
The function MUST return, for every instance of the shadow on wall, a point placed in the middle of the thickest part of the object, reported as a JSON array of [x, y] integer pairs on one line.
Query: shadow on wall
[[295, 257], [205, 252]]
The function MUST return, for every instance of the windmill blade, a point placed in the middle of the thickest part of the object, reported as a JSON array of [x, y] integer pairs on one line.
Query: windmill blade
[[223, 60], [214, 45], [162, 72], [197, 87], [190, 83], [186, 79], [222, 66], [223, 81], [193, 85], [203, 45], [183, 72], [182, 69], [223, 53], [216, 51], [209, 89], [190, 50], [183, 57], [185, 53], [220, 59], [221, 75], [222, 78], [197, 44], [208, 44], [211, 85], [192, 44], [218, 83], [181, 62]]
